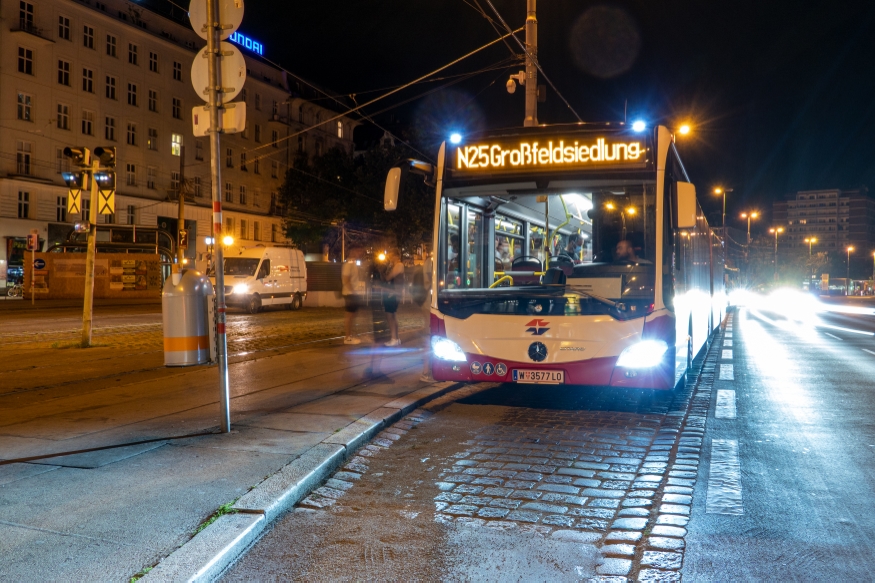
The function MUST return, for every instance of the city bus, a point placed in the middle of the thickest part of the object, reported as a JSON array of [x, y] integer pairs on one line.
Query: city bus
[[568, 255]]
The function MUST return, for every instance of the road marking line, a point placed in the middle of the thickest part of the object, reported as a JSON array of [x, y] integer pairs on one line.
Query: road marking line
[[727, 372], [869, 351], [726, 355], [727, 344], [851, 330], [724, 479], [728, 335], [832, 335], [725, 404]]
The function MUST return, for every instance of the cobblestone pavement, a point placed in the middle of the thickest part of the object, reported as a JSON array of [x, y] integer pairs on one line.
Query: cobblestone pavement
[[612, 471]]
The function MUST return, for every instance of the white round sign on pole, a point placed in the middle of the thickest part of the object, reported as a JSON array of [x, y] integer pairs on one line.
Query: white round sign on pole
[[230, 12], [232, 68]]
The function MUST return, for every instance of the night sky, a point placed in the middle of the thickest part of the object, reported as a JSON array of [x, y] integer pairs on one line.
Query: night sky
[[780, 94]]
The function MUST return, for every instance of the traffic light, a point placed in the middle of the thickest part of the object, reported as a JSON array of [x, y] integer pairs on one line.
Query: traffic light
[[106, 155], [80, 155], [105, 192], [76, 181]]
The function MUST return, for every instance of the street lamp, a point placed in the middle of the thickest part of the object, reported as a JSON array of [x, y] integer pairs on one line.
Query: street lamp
[[228, 240], [776, 231], [848, 278], [749, 215], [810, 242], [719, 190], [684, 129]]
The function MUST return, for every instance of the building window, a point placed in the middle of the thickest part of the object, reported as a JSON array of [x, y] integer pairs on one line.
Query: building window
[[23, 204], [64, 73], [256, 230], [340, 129], [229, 225], [88, 80], [256, 166], [274, 233], [111, 43], [131, 174], [174, 181], [109, 129], [198, 149], [302, 145], [132, 214], [301, 114], [242, 194], [25, 13], [176, 144], [61, 209], [229, 192], [276, 108], [87, 122], [177, 71], [258, 102], [25, 105], [153, 62], [258, 133], [63, 27], [197, 187], [63, 117], [243, 162], [229, 158], [22, 157], [25, 61], [153, 100], [177, 108], [274, 169], [132, 134], [244, 229], [86, 207], [151, 171], [133, 57], [111, 88], [152, 141], [132, 94], [87, 37], [275, 139]]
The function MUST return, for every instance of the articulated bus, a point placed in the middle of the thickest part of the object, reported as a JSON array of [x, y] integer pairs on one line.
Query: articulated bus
[[569, 255]]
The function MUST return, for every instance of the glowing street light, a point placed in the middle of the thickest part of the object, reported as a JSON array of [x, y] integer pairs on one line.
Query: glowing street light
[[684, 129], [848, 278], [811, 241], [718, 191], [749, 215], [776, 231], [228, 240]]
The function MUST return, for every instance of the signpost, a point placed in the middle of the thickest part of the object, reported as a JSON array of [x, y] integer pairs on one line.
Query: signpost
[[32, 244], [216, 20]]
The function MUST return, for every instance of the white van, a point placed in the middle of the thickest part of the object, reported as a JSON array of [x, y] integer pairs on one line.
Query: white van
[[265, 276]]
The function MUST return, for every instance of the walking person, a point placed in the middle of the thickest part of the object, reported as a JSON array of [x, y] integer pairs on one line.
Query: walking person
[[391, 272], [353, 289]]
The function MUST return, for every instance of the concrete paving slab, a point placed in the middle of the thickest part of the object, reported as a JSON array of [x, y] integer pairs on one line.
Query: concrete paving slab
[[13, 446], [14, 472], [352, 405], [258, 439], [96, 459], [292, 421], [287, 487], [213, 549], [362, 430]]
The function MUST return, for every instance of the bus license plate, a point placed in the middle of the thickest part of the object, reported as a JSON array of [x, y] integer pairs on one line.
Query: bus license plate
[[546, 377]]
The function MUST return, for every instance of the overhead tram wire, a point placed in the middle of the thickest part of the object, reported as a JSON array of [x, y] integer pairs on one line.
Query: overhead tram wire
[[532, 57], [493, 24]]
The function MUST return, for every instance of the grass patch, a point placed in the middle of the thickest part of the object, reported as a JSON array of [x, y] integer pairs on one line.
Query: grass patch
[[224, 509], [141, 574]]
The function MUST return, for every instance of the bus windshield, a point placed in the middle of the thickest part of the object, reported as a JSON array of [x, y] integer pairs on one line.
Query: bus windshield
[[601, 235]]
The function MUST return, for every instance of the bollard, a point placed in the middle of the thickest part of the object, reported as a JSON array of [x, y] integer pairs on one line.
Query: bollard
[[185, 308]]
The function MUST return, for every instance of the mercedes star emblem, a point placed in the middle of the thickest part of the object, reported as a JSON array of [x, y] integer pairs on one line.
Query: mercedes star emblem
[[537, 351]]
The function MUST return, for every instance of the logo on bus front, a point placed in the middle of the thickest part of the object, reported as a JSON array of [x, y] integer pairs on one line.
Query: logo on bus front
[[537, 327]]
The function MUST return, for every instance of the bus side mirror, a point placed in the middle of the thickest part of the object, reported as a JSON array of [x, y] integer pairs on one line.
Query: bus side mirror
[[393, 188], [686, 205]]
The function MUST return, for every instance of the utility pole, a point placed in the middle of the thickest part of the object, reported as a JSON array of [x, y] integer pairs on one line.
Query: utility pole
[[180, 191], [214, 29], [531, 70], [88, 307]]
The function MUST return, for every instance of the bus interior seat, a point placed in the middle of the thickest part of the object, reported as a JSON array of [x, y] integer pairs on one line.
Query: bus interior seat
[[553, 276]]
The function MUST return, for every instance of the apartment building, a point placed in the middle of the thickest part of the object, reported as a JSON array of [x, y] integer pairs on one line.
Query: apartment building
[[835, 218], [90, 73]]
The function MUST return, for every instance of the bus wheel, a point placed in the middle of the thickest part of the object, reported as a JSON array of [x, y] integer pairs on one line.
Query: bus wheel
[[253, 306], [296, 302]]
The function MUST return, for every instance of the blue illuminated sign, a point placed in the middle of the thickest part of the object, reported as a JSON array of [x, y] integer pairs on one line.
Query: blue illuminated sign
[[246, 42]]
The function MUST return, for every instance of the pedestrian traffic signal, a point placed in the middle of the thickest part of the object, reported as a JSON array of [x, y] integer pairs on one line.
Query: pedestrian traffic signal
[[106, 155], [80, 155]]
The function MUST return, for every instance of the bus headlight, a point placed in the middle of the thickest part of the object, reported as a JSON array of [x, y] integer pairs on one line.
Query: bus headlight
[[240, 288], [446, 349], [644, 354]]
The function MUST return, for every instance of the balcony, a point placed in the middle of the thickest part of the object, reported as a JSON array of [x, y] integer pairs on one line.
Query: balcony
[[27, 27]]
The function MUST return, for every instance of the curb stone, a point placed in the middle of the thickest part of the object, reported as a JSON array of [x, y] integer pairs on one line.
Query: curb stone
[[210, 552]]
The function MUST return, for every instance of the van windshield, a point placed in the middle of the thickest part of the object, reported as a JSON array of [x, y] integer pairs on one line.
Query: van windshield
[[244, 266]]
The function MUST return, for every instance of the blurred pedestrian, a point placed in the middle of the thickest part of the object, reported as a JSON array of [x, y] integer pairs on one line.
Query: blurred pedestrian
[[353, 292], [392, 271]]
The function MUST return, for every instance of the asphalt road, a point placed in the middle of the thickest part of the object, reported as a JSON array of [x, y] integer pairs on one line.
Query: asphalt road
[[801, 506]]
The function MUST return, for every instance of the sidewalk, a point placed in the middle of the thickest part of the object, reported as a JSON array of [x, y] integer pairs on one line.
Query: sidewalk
[[111, 513]]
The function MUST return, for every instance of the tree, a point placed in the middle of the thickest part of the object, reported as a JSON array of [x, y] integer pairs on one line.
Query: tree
[[324, 192]]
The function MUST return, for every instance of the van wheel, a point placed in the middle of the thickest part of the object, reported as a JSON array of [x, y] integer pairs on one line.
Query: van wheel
[[296, 302], [253, 306]]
